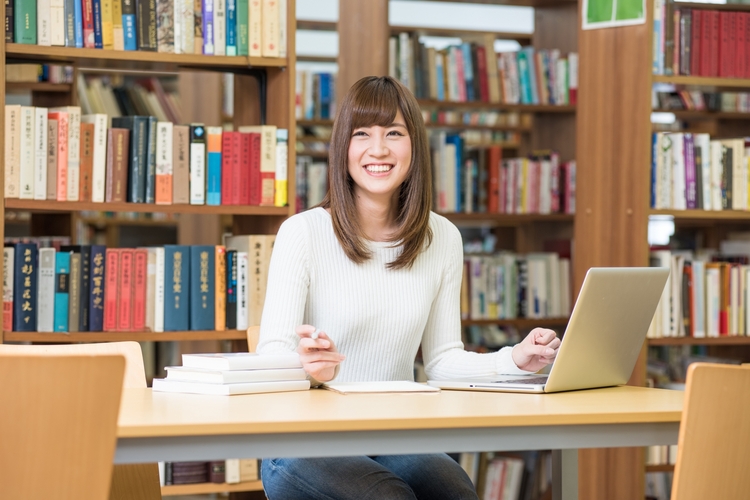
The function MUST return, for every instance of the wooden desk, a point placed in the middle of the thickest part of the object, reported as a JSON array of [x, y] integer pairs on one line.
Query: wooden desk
[[316, 423]]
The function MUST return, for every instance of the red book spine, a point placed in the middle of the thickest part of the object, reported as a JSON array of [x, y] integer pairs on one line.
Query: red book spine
[[87, 6], [484, 90], [255, 179], [140, 270], [227, 173], [246, 173], [724, 53], [237, 168], [715, 51], [502, 180], [732, 55], [111, 275], [493, 174], [125, 302], [695, 42], [740, 56], [705, 43]]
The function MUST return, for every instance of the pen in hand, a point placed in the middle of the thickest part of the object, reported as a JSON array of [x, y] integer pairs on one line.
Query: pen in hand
[[317, 352]]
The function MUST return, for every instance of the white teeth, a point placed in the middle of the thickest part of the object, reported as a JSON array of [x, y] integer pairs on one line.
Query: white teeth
[[378, 168]]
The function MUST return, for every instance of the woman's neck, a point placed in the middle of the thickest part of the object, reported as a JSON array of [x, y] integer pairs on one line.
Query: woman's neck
[[377, 219]]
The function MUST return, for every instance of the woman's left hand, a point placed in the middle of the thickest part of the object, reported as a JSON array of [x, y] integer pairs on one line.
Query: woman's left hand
[[537, 350]]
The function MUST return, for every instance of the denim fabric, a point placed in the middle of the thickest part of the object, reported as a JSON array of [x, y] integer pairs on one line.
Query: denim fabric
[[392, 477]]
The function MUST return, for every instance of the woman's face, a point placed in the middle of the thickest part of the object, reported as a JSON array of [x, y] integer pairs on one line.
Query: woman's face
[[379, 158]]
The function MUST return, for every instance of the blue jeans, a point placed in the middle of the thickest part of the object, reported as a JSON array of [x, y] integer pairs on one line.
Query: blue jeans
[[392, 477]]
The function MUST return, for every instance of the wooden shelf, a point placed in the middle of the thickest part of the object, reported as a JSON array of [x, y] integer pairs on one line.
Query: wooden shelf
[[686, 114], [703, 81], [701, 341], [518, 322], [488, 106], [506, 219], [77, 206], [23, 87], [318, 59], [522, 3], [704, 215], [64, 338], [206, 488], [660, 468], [136, 60], [522, 38], [113, 221], [303, 24]]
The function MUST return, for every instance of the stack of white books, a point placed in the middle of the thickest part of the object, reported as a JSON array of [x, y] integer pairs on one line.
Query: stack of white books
[[235, 373]]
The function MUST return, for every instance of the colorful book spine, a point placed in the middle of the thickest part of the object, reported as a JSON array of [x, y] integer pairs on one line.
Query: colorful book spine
[[24, 14], [137, 150], [111, 279], [208, 27], [97, 277], [24, 287], [242, 27], [118, 33], [282, 160], [202, 287], [197, 164], [151, 160], [78, 23], [74, 292], [220, 288], [231, 287], [214, 159], [231, 17], [8, 282], [126, 287], [242, 291], [140, 269], [97, 8], [166, 26], [176, 288], [128, 25], [62, 291], [227, 171], [181, 165]]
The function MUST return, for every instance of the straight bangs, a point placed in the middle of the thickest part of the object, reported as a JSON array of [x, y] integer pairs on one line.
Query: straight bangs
[[377, 107]]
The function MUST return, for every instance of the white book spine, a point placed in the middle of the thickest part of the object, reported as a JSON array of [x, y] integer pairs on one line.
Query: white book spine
[[716, 174], [679, 200], [712, 302], [699, 299], [151, 289], [12, 150], [197, 174], [242, 291], [43, 19], [220, 28], [40, 154], [159, 306], [27, 153], [232, 470], [46, 290], [270, 28], [74, 150], [255, 27], [98, 174], [178, 25], [282, 28], [188, 22], [57, 22]]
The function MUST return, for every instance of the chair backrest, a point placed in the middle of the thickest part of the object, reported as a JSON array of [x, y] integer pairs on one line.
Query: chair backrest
[[58, 425], [253, 335], [714, 443], [135, 374]]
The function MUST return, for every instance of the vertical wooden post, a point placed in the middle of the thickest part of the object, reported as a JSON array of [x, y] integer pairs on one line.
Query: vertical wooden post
[[363, 41]]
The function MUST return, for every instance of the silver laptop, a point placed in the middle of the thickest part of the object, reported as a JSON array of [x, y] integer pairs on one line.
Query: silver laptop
[[602, 340]]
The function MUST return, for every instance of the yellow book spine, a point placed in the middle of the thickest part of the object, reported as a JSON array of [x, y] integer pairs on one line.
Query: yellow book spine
[[117, 29], [108, 36], [220, 312]]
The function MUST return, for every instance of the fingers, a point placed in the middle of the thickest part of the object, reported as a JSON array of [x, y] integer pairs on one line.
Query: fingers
[[304, 330], [309, 344], [544, 336]]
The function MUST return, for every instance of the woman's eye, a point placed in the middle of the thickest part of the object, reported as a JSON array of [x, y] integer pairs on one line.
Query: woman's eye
[[395, 132], [358, 132]]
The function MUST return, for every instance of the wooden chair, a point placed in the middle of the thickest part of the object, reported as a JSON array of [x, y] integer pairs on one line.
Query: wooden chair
[[58, 425], [714, 443], [129, 481]]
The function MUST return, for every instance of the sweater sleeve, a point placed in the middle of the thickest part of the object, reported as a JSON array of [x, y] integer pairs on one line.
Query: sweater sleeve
[[287, 289], [442, 348]]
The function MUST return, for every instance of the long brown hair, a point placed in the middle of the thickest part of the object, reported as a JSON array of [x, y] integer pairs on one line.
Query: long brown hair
[[374, 101]]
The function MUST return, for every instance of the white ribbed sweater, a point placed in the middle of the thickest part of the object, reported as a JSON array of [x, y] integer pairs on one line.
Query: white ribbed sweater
[[375, 316]]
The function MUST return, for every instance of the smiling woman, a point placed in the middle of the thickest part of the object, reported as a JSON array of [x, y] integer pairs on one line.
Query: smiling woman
[[379, 275]]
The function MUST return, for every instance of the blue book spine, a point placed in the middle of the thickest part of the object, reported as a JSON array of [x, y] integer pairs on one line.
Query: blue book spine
[[523, 77], [202, 287], [456, 139], [128, 25], [62, 289], [440, 78], [468, 71], [213, 190], [69, 11], [78, 28], [96, 288], [231, 19], [151, 161], [531, 67], [25, 276], [324, 95], [138, 126], [177, 288], [208, 27], [98, 43]]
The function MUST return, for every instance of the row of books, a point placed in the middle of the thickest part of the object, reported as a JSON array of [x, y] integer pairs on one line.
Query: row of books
[[508, 285], [476, 118], [706, 295], [517, 476], [311, 179], [114, 96], [59, 154], [235, 373], [700, 42], [658, 485], [472, 180], [230, 471], [315, 95], [472, 71], [212, 27], [685, 99], [50, 73], [664, 454], [691, 171], [85, 288]]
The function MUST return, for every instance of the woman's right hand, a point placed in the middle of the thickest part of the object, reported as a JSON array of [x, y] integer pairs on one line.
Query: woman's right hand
[[319, 356]]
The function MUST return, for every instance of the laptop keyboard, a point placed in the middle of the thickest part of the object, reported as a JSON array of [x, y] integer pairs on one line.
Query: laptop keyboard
[[532, 380]]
